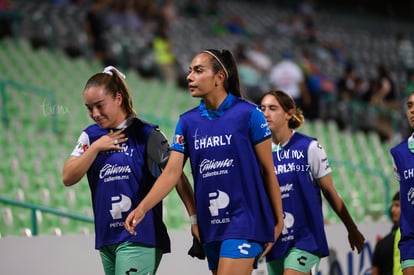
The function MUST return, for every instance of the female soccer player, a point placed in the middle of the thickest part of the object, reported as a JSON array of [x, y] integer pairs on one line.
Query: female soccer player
[[228, 143]]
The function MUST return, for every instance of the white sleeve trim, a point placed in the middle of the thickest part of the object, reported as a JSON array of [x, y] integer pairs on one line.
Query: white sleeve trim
[[318, 160], [81, 146]]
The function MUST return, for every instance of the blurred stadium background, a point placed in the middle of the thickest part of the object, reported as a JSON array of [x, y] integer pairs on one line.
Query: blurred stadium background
[[45, 60]]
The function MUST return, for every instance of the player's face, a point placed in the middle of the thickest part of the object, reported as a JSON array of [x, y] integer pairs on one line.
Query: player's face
[[201, 78], [395, 211], [410, 110], [275, 116], [102, 107]]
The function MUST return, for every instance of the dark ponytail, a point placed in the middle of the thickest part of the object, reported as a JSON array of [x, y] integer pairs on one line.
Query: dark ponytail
[[224, 61]]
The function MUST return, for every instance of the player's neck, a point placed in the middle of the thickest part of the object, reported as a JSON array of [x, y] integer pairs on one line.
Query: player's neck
[[283, 136]]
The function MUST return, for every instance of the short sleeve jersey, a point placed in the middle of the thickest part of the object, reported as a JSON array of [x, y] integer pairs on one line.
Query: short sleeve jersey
[[298, 163], [230, 196], [119, 180], [403, 160]]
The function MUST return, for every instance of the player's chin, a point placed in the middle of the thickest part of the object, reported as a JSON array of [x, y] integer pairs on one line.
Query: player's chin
[[195, 93], [102, 122]]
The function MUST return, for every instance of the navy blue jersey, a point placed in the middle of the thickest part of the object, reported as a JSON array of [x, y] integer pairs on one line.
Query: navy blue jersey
[[301, 200], [118, 181], [404, 168], [230, 195]]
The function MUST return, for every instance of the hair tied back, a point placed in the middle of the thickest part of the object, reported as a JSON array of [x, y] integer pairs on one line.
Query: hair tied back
[[108, 69]]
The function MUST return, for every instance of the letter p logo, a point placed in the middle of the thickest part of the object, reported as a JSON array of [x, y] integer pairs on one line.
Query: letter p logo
[[288, 220], [221, 200], [119, 205]]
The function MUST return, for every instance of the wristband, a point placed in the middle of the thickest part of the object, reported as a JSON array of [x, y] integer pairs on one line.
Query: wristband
[[193, 219]]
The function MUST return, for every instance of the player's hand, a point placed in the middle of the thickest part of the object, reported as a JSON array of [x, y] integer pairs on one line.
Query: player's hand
[[268, 247], [111, 141], [277, 232], [356, 240], [195, 232], [133, 219]]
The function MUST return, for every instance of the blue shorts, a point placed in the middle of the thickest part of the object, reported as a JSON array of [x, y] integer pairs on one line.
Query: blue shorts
[[232, 248]]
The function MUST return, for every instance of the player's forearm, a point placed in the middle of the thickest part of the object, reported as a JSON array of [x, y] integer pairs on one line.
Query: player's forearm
[[161, 188], [76, 167], [186, 193]]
